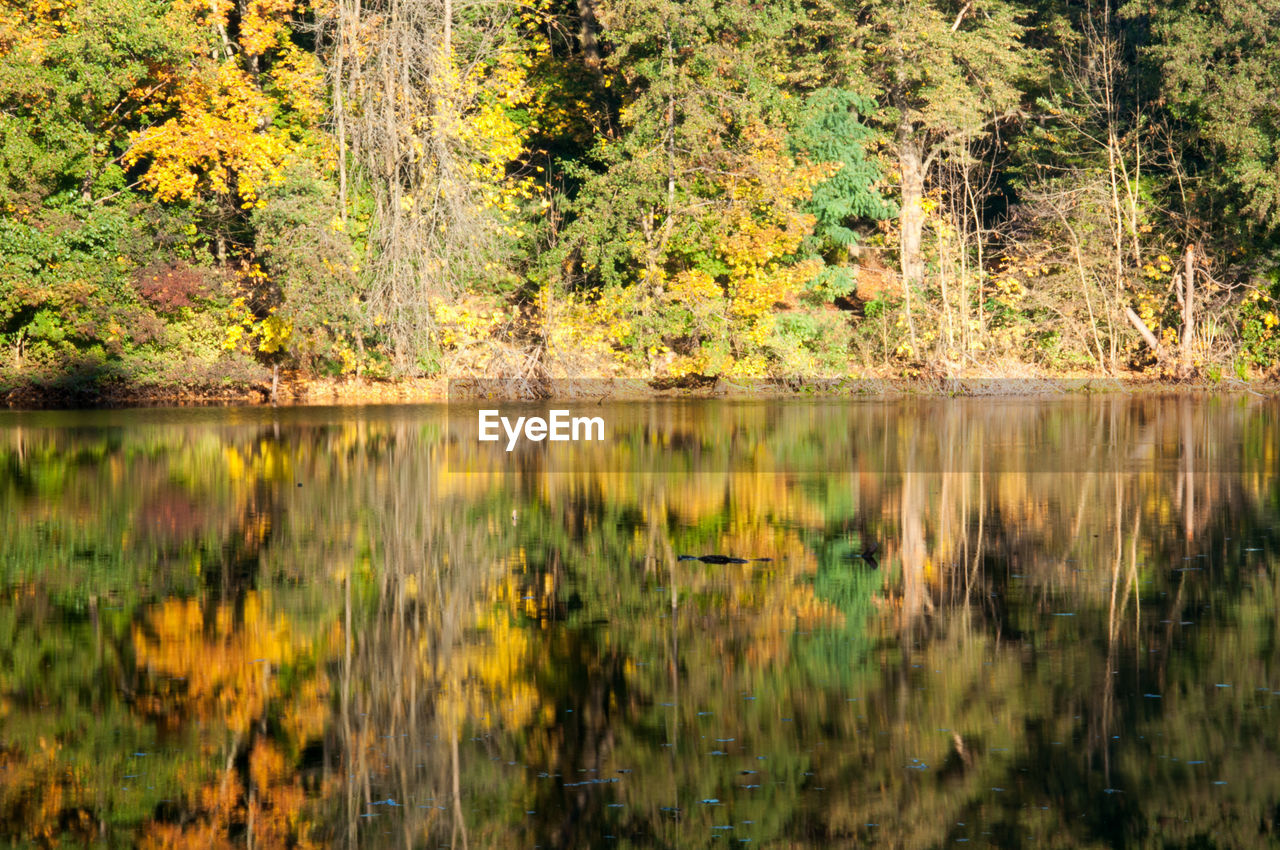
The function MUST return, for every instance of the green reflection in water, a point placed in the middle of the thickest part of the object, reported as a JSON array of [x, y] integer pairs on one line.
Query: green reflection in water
[[359, 627]]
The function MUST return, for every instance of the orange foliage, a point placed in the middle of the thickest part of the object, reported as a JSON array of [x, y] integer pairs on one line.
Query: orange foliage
[[29, 25], [225, 670], [222, 670], [262, 25], [33, 789]]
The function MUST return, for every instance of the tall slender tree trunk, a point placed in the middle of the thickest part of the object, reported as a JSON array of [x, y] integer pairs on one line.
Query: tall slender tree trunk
[[1188, 306], [1117, 223], [913, 551], [340, 108], [447, 40], [911, 164], [1189, 459]]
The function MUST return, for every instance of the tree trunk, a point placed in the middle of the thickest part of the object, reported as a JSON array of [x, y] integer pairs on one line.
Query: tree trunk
[[587, 28], [340, 110], [1148, 337], [1188, 470], [227, 51], [448, 30], [911, 163], [913, 550], [1188, 306]]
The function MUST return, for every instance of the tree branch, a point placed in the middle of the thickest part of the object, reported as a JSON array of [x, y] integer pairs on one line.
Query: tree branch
[[1147, 335], [937, 149]]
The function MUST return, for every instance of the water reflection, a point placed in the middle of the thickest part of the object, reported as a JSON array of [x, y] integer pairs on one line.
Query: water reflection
[[356, 628]]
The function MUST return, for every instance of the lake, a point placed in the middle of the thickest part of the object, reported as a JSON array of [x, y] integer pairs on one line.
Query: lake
[[1040, 623]]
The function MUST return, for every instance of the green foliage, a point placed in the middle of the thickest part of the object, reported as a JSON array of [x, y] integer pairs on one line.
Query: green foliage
[[81, 299], [812, 342], [696, 208], [311, 262], [1259, 319], [1218, 70], [68, 100], [694, 104], [99, 284], [62, 287], [947, 70], [831, 130]]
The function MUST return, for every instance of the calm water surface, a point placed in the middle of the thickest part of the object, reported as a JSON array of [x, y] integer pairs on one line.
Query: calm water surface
[[356, 628]]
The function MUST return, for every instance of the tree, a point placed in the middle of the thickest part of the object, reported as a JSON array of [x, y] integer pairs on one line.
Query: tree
[[1218, 68], [74, 80], [693, 212], [946, 74], [429, 99], [137, 138], [832, 130]]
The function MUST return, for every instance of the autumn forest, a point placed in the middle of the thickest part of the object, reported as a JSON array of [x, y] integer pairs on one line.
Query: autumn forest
[[201, 194]]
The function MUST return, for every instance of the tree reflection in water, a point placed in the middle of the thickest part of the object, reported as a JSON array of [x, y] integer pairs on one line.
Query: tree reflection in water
[[355, 628]]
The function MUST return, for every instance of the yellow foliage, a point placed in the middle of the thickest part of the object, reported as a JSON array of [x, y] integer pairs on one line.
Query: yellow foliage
[[273, 334], [694, 287], [228, 670], [470, 321], [488, 680], [299, 77], [589, 328], [31, 25], [345, 356], [221, 676], [263, 23], [221, 138], [247, 333], [754, 231], [216, 142], [763, 229]]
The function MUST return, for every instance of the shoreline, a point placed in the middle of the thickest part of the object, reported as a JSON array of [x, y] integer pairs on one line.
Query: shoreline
[[299, 392]]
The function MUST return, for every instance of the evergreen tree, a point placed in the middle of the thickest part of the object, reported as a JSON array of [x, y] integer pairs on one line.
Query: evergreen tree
[[1218, 69]]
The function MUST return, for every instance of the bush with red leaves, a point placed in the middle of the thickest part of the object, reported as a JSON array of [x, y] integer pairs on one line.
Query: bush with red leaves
[[169, 287]]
